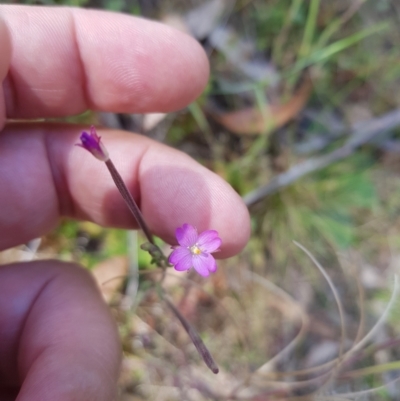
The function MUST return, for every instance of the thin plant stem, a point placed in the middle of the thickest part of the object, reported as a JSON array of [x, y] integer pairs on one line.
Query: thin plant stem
[[132, 205], [194, 336]]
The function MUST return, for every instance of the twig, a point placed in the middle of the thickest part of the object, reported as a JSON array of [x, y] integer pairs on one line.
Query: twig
[[361, 136]]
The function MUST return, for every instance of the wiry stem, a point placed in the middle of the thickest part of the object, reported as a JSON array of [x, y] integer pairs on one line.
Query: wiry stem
[[194, 336], [133, 207], [334, 292]]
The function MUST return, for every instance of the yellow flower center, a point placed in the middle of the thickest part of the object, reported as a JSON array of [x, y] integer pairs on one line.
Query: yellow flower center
[[195, 250]]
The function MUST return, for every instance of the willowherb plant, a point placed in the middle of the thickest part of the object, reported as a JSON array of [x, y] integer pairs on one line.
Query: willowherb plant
[[194, 250]]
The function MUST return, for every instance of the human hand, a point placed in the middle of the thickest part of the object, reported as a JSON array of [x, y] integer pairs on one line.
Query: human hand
[[57, 338]]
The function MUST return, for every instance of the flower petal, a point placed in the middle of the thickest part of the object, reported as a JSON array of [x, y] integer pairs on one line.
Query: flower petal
[[186, 235], [209, 241], [92, 143], [185, 263], [204, 264], [178, 254], [212, 268]]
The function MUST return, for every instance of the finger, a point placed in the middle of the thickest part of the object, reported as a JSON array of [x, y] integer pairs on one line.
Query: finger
[[58, 339], [66, 60], [48, 177]]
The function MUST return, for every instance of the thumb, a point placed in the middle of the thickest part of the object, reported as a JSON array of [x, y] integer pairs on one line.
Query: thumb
[[5, 60]]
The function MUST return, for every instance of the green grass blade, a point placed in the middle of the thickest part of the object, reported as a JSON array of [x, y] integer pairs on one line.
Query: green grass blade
[[198, 115], [330, 30], [279, 44], [374, 370], [323, 54], [306, 44]]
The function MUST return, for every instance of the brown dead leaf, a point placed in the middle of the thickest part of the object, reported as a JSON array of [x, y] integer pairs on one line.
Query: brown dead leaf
[[110, 275], [252, 120]]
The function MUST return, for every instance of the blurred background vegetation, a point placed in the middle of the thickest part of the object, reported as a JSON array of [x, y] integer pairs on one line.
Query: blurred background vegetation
[[301, 116]]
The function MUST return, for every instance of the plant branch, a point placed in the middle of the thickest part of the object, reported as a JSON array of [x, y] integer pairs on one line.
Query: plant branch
[[361, 136]]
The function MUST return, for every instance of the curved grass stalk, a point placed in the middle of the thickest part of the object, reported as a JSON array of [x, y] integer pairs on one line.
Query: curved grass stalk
[[370, 334], [361, 307], [303, 317], [345, 357], [334, 292], [327, 365], [297, 385], [374, 348], [376, 369], [357, 394], [266, 367], [278, 393], [379, 323], [337, 361], [361, 299], [304, 325]]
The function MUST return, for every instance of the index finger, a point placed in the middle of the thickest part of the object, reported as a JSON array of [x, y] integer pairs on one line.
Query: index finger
[[66, 60]]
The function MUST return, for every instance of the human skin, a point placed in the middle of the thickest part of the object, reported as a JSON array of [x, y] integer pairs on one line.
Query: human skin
[[58, 340]]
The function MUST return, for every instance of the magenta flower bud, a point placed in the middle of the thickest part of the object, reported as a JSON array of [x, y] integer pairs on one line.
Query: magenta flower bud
[[195, 250], [92, 143]]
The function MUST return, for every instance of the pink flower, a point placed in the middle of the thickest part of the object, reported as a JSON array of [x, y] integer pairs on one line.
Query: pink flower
[[195, 250], [92, 143]]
